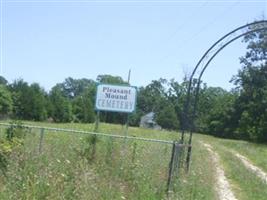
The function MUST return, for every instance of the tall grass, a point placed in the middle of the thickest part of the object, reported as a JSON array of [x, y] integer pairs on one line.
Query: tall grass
[[66, 169], [119, 169], [246, 184]]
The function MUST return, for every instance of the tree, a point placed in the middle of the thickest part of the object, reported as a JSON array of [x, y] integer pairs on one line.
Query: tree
[[29, 101], [177, 96], [72, 88], [83, 108], [150, 97], [21, 99], [3, 81], [111, 79], [61, 106], [160, 99], [251, 82], [38, 105], [166, 117], [216, 105], [5, 101]]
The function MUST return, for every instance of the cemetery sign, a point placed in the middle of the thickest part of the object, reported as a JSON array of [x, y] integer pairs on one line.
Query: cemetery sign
[[115, 98]]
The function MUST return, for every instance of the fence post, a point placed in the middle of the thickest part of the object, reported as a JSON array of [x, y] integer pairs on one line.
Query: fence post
[[41, 140], [177, 159], [97, 121], [189, 150], [94, 137], [171, 168]]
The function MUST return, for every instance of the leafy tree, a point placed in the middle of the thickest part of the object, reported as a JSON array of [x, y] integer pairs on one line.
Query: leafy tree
[[72, 88], [111, 79], [177, 96], [61, 106], [150, 97], [38, 106], [157, 97], [83, 108], [216, 105], [167, 118], [3, 81], [5, 101], [29, 101], [21, 98], [252, 84]]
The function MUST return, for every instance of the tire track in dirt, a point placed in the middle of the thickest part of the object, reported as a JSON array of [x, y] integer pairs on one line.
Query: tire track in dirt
[[249, 165], [222, 186]]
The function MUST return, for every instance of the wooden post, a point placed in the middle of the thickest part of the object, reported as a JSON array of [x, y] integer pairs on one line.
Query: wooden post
[[97, 121], [94, 139]]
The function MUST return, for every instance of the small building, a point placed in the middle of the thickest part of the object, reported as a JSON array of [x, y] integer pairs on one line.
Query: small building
[[148, 121]]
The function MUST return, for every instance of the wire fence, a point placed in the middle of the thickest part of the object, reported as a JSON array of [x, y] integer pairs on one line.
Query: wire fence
[[90, 164]]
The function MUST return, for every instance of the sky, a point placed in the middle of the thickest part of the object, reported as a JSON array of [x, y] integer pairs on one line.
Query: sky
[[48, 41]]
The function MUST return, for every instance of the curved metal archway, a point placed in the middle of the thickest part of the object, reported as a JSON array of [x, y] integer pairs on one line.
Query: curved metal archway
[[208, 56]]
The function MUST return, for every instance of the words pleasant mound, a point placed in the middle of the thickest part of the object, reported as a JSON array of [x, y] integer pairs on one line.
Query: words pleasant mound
[[116, 98]]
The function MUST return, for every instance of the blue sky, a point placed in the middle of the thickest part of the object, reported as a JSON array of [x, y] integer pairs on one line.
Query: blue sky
[[48, 41]]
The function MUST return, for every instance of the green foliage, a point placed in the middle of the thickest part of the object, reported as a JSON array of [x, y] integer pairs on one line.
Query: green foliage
[[246, 184], [72, 88], [5, 148], [61, 107], [38, 110], [111, 79], [250, 107], [5, 101], [83, 109], [29, 101], [15, 135], [155, 97], [134, 118], [3, 81], [136, 170], [15, 131], [150, 97], [89, 149], [167, 118], [240, 113]]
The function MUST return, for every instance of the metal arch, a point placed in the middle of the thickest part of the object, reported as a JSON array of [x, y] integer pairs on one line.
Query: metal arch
[[189, 123], [206, 65], [187, 102]]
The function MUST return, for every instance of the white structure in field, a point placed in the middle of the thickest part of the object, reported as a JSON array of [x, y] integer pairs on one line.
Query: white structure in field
[[148, 121]]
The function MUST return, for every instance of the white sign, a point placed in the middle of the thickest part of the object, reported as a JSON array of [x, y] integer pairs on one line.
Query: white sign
[[116, 98]]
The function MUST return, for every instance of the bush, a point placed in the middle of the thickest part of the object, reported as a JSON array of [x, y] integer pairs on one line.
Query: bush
[[15, 130]]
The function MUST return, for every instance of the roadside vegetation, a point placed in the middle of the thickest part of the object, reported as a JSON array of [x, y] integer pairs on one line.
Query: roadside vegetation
[[65, 167], [245, 182], [239, 113], [80, 166]]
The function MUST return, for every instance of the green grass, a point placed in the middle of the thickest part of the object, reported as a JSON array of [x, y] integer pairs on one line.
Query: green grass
[[120, 169], [256, 153], [246, 185], [199, 182], [64, 169]]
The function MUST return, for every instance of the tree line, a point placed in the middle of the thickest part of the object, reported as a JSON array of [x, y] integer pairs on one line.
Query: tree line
[[240, 113]]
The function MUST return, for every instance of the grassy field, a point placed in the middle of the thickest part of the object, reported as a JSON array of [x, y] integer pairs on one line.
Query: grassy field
[[246, 184], [66, 168]]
